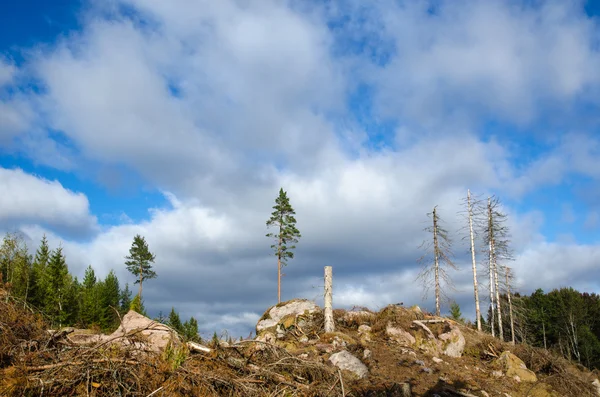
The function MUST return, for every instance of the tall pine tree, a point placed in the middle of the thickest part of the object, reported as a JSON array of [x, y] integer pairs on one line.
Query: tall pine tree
[[58, 283], [282, 218], [139, 261]]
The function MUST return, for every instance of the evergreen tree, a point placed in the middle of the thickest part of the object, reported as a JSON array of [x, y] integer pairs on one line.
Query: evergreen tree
[[58, 283], [190, 330], [39, 282], [90, 305], [138, 261], [109, 302], [283, 219], [71, 301], [175, 321], [137, 305], [125, 299], [455, 312]]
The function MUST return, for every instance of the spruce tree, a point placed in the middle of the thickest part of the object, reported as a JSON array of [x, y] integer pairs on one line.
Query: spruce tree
[[109, 302], [125, 299], [90, 308], [138, 261], [38, 285], [283, 219], [58, 283], [190, 330], [175, 321]]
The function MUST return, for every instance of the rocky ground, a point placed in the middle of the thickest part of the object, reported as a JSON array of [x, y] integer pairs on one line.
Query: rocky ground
[[394, 352]]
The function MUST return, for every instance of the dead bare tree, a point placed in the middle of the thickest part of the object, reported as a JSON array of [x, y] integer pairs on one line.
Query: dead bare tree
[[473, 210], [496, 236], [438, 254]]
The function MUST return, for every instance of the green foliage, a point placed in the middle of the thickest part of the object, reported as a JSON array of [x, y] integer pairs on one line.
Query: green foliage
[[137, 305], [90, 305], [125, 299], [139, 261], [567, 320], [190, 330], [109, 297], [58, 284], [15, 265], [283, 219], [175, 321], [455, 312], [39, 281], [175, 355]]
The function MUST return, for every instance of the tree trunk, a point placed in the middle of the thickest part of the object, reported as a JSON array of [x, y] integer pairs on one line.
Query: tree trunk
[[498, 308], [141, 280], [329, 324], [510, 309], [279, 266], [475, 287], [436, 264], [491, 264]]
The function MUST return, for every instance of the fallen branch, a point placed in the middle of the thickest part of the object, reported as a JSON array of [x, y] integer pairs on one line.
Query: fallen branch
[[197, 347], [68, 363]]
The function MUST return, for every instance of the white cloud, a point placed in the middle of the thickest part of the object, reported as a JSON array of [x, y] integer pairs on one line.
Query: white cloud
[[495, 58], [29, 199], [221, 103]]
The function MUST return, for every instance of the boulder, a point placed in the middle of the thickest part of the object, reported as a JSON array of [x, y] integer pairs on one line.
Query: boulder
[[513, 366], [287, 311], [155, 336], [596, 384], [453, 342], [399, 335], [346, 361]]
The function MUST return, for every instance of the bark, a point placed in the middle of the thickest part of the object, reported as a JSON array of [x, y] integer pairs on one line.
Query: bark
[[475, 286], [436, 265], [491, 264], [279, 269], [498, 309], [510, 308], [329, 324], [141, 280]]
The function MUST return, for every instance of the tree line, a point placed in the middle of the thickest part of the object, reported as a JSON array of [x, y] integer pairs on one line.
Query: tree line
[[43, 281]]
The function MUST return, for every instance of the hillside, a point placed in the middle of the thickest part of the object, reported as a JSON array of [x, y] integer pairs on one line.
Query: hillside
[[394, 352]]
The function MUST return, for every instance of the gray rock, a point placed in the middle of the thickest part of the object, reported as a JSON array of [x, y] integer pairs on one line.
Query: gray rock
[[453, 342], [399, 335], [294, 307], [346, 361]]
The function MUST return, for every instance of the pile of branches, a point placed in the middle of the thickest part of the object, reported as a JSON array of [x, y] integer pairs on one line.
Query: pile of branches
[[34, 361]]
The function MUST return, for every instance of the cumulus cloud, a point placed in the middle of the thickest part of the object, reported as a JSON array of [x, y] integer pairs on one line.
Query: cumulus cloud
[[29, 199], [218, 104], [465, 59]]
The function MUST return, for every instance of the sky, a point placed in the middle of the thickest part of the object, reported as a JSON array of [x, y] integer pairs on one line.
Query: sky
[[181, 120]]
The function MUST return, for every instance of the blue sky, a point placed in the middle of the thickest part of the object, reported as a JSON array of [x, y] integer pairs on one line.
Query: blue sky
[[184, 128]]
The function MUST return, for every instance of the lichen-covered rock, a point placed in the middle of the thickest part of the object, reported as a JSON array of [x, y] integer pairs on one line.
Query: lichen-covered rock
[[287, 311], [513, 366], [453, 342], [399, 335], [346, 361]]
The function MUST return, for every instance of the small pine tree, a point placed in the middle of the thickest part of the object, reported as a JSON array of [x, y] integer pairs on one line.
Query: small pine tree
[[283, 219], [137, 305], [175, 321], [190, 328], [455, 312], [138, 261], [125, 299]]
